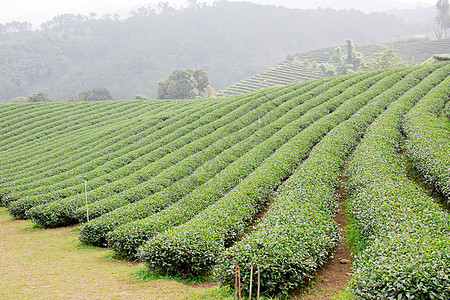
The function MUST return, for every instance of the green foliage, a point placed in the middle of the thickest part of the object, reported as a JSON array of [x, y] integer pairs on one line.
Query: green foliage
[[39, 97], [388, 58], [406, 231], [447, 110], [343, 64], [184, 84], [442, 57], [19, 99], [179, 182], [74, 53], [427, 143], [97, 94], [140, 97]]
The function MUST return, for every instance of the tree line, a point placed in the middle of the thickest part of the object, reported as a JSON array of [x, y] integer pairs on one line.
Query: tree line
[[74, 53]]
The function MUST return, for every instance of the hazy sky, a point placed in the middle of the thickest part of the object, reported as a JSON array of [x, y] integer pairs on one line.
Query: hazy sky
[[38, 11]]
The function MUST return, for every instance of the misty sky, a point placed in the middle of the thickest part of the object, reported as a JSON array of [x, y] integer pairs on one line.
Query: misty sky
[[39, 11]]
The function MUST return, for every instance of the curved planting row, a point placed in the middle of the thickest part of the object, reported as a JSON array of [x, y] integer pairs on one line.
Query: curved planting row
[[447, 110], [217, 124], [131, 152], [283, 73], [256, 119], [125, 140], [243, 159], [428, 140], [296, 235], [95, 231], [407, 251], [56, 143], [192, 248]]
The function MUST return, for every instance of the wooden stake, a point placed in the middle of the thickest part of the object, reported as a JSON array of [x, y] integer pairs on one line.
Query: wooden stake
[[236, 282], [259, 282], [239, 280], [87, 205], [251, 281]]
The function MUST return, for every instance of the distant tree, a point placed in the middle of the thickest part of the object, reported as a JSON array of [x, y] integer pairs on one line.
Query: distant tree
[[343, 64], [210, 92], [15, 26], [97, 94], [184, 84], [290, 57], [388, 58], [19, 99], [442, 18], [64, 21], [39, 97], [140, 97]]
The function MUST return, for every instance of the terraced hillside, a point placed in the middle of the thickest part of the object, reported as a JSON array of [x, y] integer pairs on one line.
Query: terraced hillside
[[305, 65], [189, 186]]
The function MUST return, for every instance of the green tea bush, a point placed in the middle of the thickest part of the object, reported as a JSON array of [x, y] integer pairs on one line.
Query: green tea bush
[[192, 248], [222, 122], [406, 231], [427, 143], [95, 231], [296, 235], [125, 240]]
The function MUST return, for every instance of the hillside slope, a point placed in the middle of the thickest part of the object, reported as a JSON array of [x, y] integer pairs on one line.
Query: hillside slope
[[305, 66], [178, 184], [75, 53]]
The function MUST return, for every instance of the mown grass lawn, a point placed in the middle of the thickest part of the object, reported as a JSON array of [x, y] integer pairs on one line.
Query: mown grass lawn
[[51, 264]]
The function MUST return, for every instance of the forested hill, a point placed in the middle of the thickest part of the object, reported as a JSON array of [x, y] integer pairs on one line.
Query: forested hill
[[229, 40]]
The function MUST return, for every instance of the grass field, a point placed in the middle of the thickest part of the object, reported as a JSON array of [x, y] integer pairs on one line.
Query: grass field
[[52, 264]]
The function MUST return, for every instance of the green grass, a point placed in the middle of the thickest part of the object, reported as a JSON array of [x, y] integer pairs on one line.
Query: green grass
[[50, 264]]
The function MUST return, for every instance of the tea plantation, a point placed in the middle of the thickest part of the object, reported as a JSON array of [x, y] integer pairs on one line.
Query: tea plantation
[[181, 184]]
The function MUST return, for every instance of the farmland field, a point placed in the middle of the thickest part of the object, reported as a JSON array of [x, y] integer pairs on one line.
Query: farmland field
[[190, 187]]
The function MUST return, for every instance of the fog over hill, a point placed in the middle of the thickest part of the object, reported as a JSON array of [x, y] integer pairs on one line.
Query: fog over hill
[[230, 40], [37, 12]]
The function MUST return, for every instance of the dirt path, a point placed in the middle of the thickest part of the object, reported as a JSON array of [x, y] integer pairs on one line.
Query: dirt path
[[50, 264], [334, 276]]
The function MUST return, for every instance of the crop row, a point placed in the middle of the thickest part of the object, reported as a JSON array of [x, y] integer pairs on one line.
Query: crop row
[[128, 153], [427, 143], [59, 139], [95, 231], [127, 138], [164, 156], [32, 134], [296, 235], [284, 73], [192, 248], [302, 111], [405, 231]]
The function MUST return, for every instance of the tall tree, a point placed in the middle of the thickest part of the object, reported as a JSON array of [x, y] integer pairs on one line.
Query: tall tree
[[388, 58], [442, 18], [184, 84], [343, 64], [97, 94], [39, 97]]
